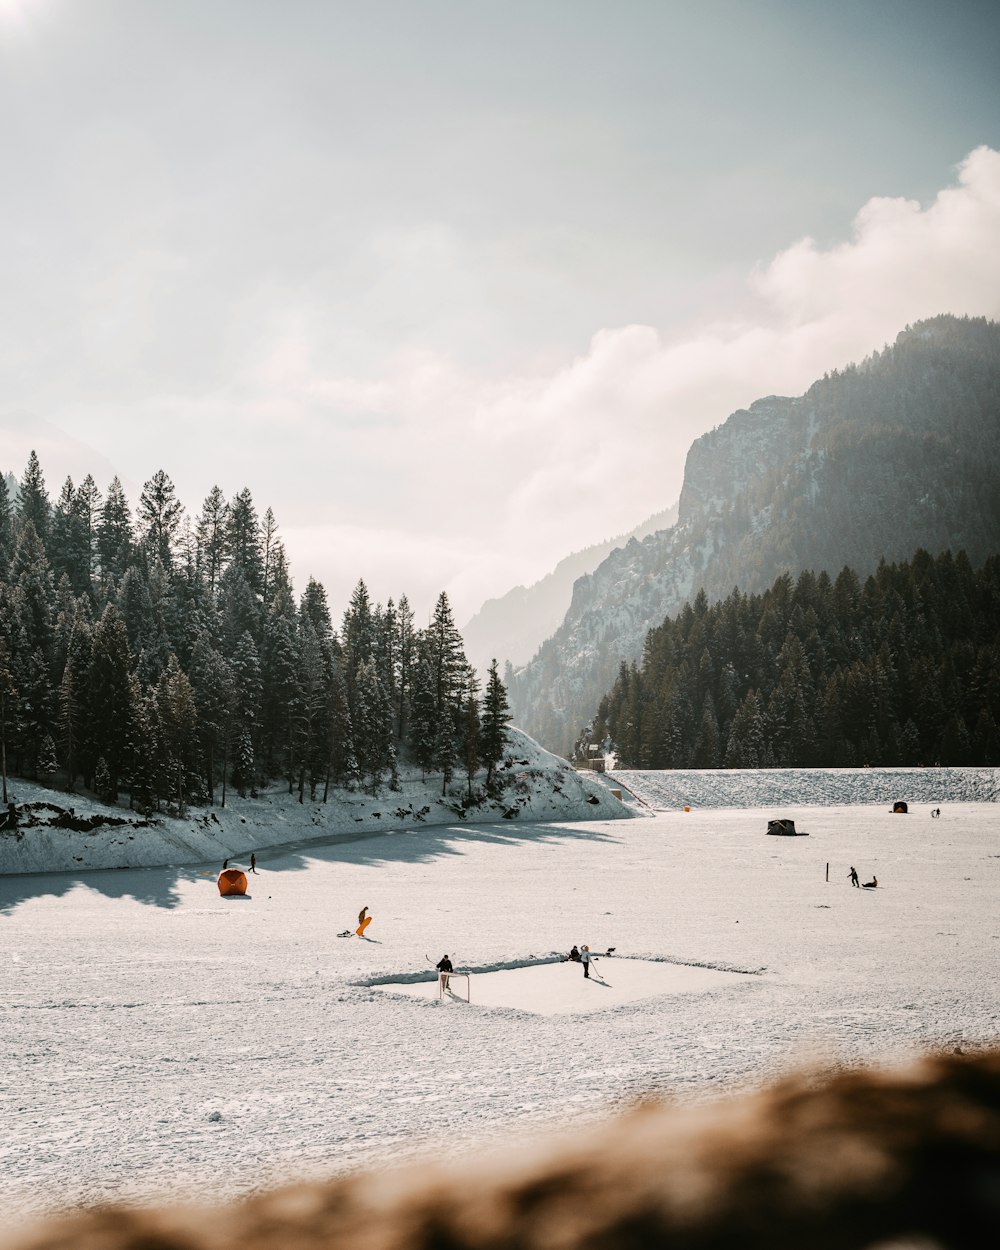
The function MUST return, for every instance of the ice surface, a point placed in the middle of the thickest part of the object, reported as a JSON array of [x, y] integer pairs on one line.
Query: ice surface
[[558, 988], [135, 1003]]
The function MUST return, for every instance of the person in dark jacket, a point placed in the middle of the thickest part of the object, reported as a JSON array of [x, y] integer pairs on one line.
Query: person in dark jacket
[[573, 957], [444, 966], [253, 862], [853, 874]]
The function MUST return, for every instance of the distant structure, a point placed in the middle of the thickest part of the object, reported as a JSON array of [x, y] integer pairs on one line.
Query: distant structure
[[592, 758]]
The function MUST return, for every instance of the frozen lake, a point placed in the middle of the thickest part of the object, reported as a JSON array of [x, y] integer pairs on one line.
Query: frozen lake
[[137, 1004]]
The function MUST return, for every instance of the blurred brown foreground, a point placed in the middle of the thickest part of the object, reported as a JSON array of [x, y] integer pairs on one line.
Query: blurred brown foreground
[[815, 1162]]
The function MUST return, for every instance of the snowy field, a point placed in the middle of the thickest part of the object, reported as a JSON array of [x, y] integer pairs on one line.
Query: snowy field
[[159, 1041]]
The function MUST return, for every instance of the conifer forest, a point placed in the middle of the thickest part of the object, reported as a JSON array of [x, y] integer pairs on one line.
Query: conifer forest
[[165, 659], [901, 670]]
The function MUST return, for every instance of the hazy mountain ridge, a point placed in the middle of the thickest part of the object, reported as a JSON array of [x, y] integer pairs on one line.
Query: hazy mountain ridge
[[513, 626], [897, 453]]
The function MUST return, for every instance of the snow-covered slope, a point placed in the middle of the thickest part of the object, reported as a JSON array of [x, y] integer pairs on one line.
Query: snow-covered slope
[[538, 786], [814, 787], [900, 453]]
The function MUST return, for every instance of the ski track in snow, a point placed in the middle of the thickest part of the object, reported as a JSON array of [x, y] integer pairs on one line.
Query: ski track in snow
[[136, 1004]]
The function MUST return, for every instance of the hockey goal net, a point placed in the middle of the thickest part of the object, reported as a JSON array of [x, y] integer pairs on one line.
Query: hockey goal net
[[447, 987]]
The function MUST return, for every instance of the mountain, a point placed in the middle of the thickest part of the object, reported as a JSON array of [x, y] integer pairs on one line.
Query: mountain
[[898, 453], [513, 627]]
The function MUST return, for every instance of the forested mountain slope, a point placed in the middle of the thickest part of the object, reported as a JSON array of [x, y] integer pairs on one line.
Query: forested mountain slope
[[511, 628], [900, 671], [898, 453]]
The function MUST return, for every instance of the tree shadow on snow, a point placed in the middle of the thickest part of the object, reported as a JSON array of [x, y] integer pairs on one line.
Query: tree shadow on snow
[[162, 886]]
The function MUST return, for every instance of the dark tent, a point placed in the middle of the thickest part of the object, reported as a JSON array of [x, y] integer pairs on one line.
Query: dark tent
[[784, 827], [900, 806]]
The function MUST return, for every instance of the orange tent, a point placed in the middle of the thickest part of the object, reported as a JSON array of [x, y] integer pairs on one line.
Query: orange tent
[[232, 881]]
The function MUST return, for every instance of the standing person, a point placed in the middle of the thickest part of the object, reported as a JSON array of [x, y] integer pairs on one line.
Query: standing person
[[444, 966], [253, 862], [854, 877], [585, 960]]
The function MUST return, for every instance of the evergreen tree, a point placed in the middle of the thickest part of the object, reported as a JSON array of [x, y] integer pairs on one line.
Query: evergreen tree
[[495, 719], [8, 696], [423, 717], [160, 513], [109, 698], [281, 694], [343, 764], [212, 530], [247, 694], [245, 540], [33, 499], [470, 736], [6, 528], [72, 701], [178, 718], [215, 699], [114, 535]]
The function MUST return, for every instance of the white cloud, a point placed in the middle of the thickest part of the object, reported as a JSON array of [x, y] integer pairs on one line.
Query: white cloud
[[423, 474]]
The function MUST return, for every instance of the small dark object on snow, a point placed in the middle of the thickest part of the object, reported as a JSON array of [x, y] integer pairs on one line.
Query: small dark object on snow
[[593, 799], [785, 828], [900, 807]]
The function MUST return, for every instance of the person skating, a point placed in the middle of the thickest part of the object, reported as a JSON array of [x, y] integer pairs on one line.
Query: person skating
[[853, 874], [585, 960], [444, 966]]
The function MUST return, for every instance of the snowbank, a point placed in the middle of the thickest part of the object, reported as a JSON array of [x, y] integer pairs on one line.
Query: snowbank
[[538, 786], [812, 787]]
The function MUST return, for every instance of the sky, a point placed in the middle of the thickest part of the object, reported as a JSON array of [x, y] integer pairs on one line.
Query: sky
[[452, 286]]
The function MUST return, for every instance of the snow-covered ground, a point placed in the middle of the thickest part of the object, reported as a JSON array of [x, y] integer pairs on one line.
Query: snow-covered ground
[[159, 1040], [726, 787], [539, 786]]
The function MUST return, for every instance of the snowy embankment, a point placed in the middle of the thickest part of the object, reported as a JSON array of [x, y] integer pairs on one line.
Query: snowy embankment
[[537, 786], [809, 787]]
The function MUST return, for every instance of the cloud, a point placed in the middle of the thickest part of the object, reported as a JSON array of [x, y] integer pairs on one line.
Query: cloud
[[422, 473]]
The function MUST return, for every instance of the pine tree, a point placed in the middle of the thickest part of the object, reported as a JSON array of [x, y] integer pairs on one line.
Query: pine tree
[[245, 540], [247, 693], [103, 786], [407, 658], [6, 527], [343, 763], [160, 513], [212, 530], [178, 718], [114, 535], [495, 719], [109, 698], [215, 699], [8, 696], [470, 736], [33, 499], [281, 694], [72, 705], [423, 716], [48, 764]]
